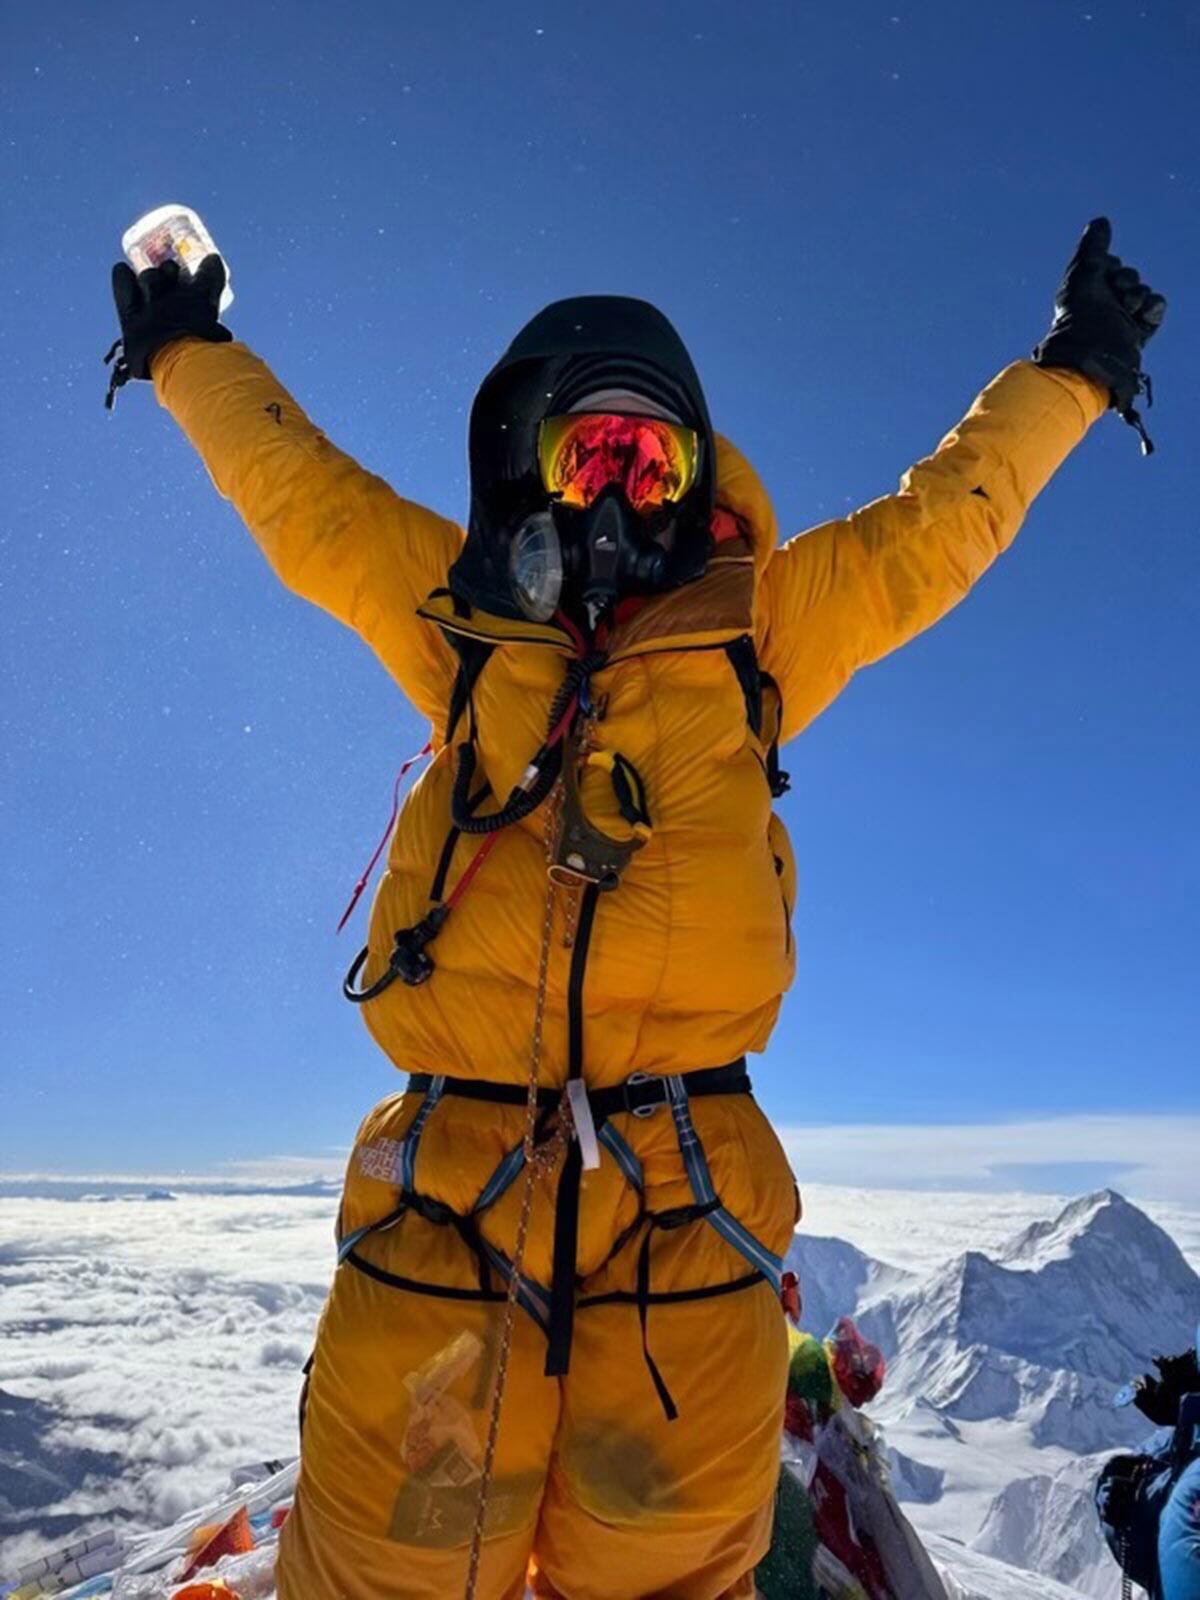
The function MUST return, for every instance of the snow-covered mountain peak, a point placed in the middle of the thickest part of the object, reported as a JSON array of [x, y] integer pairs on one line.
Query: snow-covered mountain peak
[[1097, 1223], [1093, 1292], [1002, 1371], [836, 1278]]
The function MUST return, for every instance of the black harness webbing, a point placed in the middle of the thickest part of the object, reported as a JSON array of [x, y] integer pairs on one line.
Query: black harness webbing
[[744, 661], [755, 684], [566, 1209], [639, 1095]]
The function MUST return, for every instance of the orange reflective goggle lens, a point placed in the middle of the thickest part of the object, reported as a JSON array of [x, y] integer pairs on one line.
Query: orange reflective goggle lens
[[652, 461]]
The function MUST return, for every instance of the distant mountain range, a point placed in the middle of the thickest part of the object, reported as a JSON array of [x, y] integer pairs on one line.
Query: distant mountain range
[[1002, 1371]]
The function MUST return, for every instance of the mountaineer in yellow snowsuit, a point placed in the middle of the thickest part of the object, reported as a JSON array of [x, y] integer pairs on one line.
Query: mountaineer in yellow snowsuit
[[568, 669]]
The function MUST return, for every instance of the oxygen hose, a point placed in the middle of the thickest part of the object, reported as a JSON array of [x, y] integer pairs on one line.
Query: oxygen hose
[[540, 775], [409, 959], [536, 783]]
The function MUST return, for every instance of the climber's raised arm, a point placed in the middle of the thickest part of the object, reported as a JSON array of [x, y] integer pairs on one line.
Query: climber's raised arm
[[848, 592], [333, 532]]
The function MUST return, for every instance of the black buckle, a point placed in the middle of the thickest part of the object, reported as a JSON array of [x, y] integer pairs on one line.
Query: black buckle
[[408, 959], [645, 1108], [436, 1211]]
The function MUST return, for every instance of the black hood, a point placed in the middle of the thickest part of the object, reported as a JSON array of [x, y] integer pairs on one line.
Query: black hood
[[566, 352]]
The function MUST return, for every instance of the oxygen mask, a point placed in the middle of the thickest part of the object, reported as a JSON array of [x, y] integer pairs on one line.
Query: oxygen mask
[[615, 484]]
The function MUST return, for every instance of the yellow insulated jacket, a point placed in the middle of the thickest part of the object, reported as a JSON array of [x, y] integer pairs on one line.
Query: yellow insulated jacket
[[691, 955]]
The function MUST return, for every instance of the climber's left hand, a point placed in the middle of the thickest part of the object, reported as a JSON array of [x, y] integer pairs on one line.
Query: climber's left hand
[[1103, 316]]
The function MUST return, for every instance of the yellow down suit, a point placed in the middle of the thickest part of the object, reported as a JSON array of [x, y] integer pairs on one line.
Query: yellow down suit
[[600, 1493]]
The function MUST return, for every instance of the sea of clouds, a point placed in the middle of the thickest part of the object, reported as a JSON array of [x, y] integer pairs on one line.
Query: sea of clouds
[[162, 1339]]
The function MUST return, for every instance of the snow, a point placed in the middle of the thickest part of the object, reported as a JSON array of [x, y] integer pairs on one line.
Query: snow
[[1003, 1366], [835, 1275], [971, 1576], [1048, 1523], [149, 1349]]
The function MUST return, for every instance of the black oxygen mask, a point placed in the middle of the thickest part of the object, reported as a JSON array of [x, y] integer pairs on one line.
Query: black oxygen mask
[[618, 554], [586, 560]]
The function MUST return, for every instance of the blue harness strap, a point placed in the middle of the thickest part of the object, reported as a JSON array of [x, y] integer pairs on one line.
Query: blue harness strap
[[641, 1095], [532, 1296], [705, 1194], [501, 1179], [346, 1245], [408, 1151], [623, 1155]]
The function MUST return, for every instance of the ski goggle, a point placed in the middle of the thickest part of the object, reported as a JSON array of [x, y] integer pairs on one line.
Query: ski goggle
[[653, 461]]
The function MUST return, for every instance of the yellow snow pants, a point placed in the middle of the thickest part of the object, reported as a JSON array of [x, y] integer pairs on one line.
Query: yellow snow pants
[[596, 1494]]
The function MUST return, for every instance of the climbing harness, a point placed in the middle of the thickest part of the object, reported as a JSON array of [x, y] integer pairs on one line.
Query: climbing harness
[[563, 1119], [640, 1095], [570, 1127], [584, 859]]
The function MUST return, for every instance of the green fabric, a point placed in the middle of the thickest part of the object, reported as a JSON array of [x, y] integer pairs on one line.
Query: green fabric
[[809, 1374], [786, 1574]]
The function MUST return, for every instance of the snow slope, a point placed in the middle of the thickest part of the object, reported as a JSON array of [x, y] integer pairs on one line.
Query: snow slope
[[147, 1348], [1002, 1369], [968, 1575]]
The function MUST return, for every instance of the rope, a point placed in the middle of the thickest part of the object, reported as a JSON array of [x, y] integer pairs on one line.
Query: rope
[[537, 1160]]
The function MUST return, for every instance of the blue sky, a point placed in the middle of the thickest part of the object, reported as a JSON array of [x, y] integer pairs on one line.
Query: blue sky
[[856, 215]]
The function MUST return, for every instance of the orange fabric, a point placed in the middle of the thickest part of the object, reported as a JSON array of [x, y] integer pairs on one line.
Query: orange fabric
[[662, 994], [621, 1563], [688, 962], [614, 1501], [847, 593], [333, 532]]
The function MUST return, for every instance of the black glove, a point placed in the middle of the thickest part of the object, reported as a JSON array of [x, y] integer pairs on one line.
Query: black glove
[[1103, 316], [161, 304], [1159, 1398]]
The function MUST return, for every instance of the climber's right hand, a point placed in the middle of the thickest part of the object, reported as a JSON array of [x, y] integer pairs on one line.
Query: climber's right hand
[[161, 304], [1160, 1398]]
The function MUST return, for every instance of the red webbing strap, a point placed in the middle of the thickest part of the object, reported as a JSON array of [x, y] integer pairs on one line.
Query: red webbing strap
[[557, 733], [425, 750], [470, 870]]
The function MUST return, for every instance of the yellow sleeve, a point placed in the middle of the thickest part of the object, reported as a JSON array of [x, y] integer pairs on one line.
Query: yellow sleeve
[[332, 531], [846, 593]]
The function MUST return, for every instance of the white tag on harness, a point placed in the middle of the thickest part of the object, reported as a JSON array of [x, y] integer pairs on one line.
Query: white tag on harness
[[585, 1128]]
